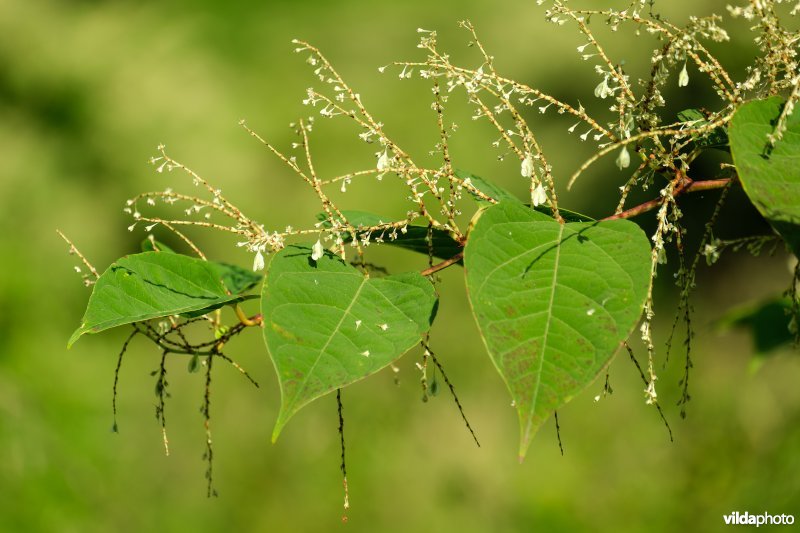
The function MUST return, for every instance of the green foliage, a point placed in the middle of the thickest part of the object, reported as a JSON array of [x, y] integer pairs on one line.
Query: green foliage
[[553, 301], [236, 279], [769, 323], [554, 293], [487, 188], [500, 194], [414, 238], [327, 325], [714, 138], [151, 285], [152, 245], [770, 175]]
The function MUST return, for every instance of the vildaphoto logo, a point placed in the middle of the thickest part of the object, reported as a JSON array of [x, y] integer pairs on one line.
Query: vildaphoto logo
[[745, 518]]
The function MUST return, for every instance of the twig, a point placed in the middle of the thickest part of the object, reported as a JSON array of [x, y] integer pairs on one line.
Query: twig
[[689, 187], [645, 380], [558, 433], [136, 331], [453, 393], [343, 466], [74, 250], [444, 264]]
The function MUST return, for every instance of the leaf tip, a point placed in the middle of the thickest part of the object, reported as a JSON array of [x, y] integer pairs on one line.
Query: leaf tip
[[75, 336], [276, 431], [524, 444], [527, 431]]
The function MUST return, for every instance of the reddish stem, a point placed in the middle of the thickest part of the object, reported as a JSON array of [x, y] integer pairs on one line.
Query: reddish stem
[[686, 185]]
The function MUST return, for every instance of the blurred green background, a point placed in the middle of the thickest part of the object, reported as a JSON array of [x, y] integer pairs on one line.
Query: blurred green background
[[89, 88]]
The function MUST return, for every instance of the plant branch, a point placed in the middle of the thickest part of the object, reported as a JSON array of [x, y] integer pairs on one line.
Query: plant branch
[[687, 186], [255, 320], [444, 264]]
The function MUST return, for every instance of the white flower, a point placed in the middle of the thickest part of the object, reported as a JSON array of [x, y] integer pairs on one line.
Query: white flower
[[316, 251], [624, 158], [603, 90], [526, 169], [683, 77], [258, 262], [384, 162], [539, 196]]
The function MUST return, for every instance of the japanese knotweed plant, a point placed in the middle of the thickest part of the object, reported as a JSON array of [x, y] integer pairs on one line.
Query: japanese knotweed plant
[[555, 294]]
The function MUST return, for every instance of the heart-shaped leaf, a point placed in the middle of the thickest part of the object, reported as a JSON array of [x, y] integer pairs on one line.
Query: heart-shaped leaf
[[152, 285], [327, 325], [553, 301], [770, 176]]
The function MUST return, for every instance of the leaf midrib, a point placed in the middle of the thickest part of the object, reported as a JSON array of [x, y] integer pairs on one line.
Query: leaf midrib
[[537, 385], [322, 350]]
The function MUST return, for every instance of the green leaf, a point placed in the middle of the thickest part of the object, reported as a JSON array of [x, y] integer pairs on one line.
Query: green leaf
[[238, 280], [413, 239], [152, 245], [553, 301], [770, 177], [194, 364], [691, 116], [769, 322], [566, 214], [486, 187], [502, 195], [716, 138], [152, 285], [327, 325]]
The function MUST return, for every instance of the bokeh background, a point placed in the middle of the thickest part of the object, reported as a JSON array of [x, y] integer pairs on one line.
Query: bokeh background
[[89, 88]]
